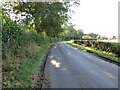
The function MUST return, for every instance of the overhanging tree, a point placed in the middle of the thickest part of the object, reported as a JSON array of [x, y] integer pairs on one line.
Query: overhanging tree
[[48, 17]]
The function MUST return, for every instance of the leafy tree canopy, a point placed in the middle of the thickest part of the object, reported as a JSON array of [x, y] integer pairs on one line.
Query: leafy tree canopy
[[48, 17]]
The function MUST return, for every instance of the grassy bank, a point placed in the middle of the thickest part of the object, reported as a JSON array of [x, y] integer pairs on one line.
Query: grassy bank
[[103, 54], [26, 75]]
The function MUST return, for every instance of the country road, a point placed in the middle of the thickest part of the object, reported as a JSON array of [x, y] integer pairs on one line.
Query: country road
[[69, 67]]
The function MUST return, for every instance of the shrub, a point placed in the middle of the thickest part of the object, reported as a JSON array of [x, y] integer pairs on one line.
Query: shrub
[[103, 46]]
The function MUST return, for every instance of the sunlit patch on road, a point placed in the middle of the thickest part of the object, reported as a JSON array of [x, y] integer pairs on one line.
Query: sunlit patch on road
[[50, 56], [55, 46], [109, 74], [64, 69], [68, 53], [55, 63], [75, 48]]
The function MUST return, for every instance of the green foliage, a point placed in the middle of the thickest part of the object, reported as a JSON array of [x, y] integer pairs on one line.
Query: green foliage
[[69, 31], [103, 54], [18, 46], [26, 75], [91, 36], [86, 37], [48, 17], [98, 37], [103, 46]]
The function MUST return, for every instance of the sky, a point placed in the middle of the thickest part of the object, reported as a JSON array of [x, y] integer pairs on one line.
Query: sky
[[98, 16]]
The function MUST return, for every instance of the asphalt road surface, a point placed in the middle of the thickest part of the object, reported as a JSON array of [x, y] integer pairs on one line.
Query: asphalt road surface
[[69, 67]]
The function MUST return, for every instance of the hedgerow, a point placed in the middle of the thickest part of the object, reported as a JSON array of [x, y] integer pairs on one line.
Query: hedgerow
[[18, 47], [103, 46]]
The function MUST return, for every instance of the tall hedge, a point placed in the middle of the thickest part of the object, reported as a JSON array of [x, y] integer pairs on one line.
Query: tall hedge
[[14, 36]]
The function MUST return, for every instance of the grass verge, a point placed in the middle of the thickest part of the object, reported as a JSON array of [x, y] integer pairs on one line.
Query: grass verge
[[25, 77], [107, 56]]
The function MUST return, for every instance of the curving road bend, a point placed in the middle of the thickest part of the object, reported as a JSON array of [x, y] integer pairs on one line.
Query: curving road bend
[[69, 67]]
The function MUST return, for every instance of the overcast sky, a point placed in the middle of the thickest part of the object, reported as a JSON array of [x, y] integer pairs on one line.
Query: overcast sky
[[98, 16]]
